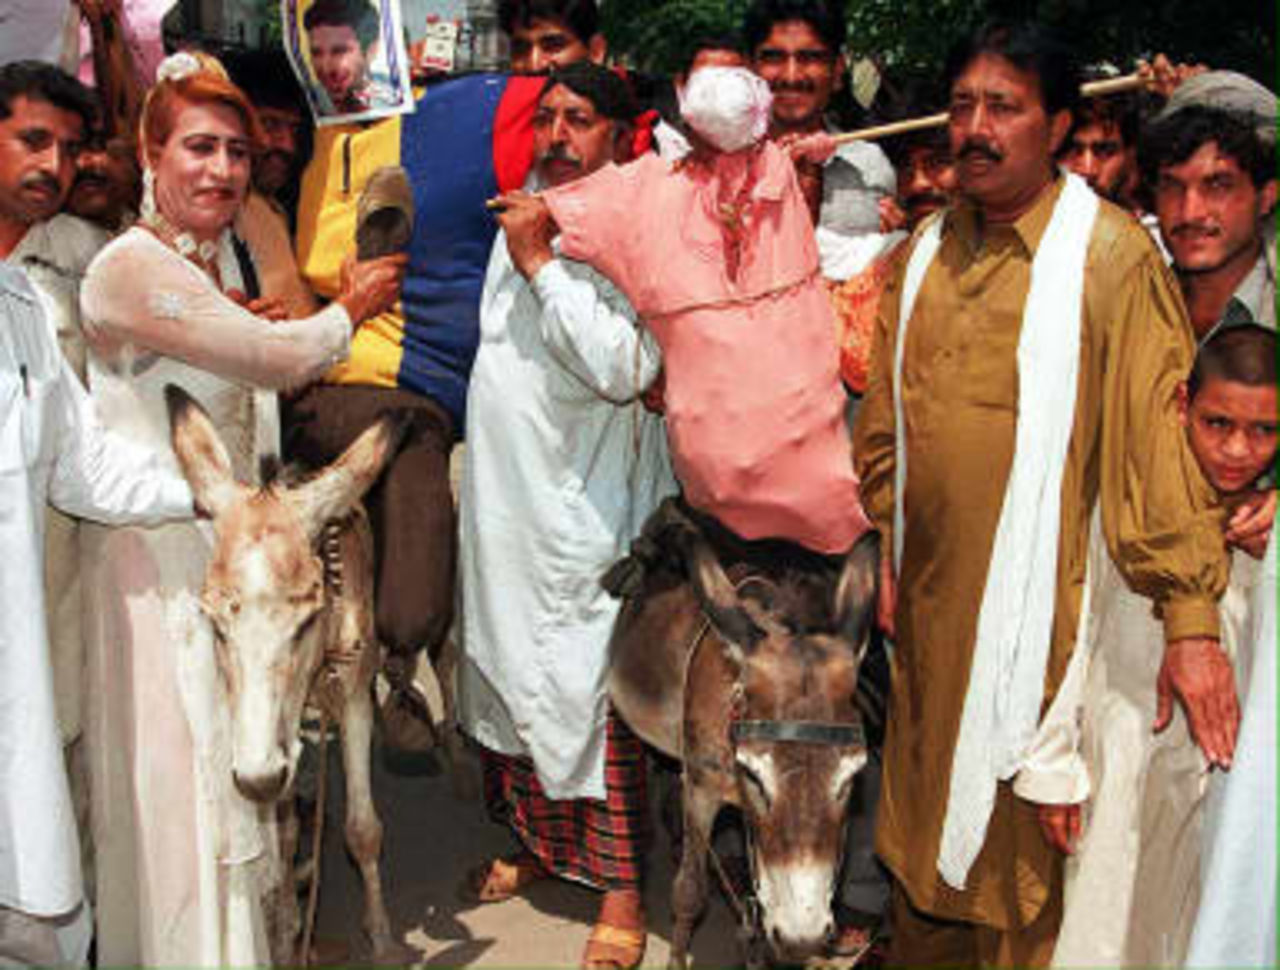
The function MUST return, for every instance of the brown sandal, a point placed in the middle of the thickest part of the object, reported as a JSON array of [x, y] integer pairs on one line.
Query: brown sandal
[[501, 879], [614, 948]]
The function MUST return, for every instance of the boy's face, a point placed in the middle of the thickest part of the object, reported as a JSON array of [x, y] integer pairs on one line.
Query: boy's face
[[1232, 431]]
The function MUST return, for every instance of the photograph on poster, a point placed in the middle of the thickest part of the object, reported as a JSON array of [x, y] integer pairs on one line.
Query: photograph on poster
[[350, 57]]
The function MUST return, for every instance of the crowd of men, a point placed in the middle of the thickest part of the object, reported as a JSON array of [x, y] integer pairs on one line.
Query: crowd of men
[[1055, 326]]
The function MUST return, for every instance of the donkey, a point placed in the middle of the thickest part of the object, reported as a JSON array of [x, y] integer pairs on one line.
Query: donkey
[[750, 682], [290, 582]]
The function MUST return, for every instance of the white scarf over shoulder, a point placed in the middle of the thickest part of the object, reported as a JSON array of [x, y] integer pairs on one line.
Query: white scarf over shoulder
[[1006, 681]]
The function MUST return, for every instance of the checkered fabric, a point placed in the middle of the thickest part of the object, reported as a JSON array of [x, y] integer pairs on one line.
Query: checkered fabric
[[599, 843]]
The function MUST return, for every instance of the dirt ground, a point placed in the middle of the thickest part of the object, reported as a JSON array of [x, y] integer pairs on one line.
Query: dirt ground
[[433, 836]]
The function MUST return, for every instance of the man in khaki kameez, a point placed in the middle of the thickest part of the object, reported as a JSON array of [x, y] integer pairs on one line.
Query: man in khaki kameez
[[1011, 94]]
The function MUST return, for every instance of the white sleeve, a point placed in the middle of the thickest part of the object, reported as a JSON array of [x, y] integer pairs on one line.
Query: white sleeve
[[1054, 771], [102, 476], [596, 339], [142, 294]]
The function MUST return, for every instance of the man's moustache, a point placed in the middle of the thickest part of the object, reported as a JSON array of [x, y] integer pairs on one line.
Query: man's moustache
[[43, 182], [93, 179], [276, 155], [1194, 229], [802, 86], [978, 149], [921, 199], [558, 155]]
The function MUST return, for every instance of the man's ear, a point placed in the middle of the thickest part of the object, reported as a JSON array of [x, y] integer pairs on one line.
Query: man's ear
[[623, 143], [842, 73], [1184, 403], [1059, 126], [1267, 198], [597, 48]]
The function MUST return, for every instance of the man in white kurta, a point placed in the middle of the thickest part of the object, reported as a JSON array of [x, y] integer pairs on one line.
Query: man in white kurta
[[563, 465], [51, 450]]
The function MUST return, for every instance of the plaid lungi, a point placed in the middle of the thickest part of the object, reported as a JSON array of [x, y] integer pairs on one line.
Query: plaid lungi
[[600, 843]]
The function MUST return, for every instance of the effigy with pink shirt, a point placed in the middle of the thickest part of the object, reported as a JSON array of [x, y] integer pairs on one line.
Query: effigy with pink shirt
[[717, 254]]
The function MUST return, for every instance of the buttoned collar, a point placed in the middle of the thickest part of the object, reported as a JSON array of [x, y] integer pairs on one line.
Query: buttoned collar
[[964, 218]]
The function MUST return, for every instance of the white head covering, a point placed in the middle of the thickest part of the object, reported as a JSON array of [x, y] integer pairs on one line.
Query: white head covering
[[728, 106]]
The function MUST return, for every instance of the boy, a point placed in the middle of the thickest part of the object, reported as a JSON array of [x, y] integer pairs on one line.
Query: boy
[[1133, 876]]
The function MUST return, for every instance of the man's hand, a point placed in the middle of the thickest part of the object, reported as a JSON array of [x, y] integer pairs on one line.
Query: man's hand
[[1249, 527], [1196, 671], [1162, 77], [892, 218], [888, 601], [371, 286], [529, 227], [1060, 825]]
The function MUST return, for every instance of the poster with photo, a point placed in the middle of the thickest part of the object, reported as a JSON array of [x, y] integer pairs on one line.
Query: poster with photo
[[349, 56]]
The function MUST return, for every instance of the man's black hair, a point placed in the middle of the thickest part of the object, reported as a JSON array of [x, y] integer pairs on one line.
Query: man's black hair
[[599, 85], [1120, 110], [360, 15], [38, 81], [1032, 49], [1174, 139], [1242, 354], [826, 17], [582, 17], [705, 40], [265, 77], [913, 97]]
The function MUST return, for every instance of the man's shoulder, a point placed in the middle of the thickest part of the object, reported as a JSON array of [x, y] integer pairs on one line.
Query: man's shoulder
[[66, 241], [1119, 243]]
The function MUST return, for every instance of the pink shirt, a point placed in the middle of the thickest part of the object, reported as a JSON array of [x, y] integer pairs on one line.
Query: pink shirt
[[755, 410]]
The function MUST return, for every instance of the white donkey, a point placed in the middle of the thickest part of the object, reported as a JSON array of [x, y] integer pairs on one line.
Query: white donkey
[[289, 584]]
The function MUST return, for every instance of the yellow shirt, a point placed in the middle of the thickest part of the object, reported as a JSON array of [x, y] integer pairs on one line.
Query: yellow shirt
[[959, 399]]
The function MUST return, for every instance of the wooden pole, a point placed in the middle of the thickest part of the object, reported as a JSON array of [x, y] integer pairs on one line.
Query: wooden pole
[[1094, 89]]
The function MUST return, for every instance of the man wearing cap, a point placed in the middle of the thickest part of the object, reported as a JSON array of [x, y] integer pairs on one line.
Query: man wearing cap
[[1210, 161], [564, 464]]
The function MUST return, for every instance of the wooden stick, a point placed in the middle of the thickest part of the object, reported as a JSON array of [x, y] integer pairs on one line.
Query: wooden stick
[[1094, 89]]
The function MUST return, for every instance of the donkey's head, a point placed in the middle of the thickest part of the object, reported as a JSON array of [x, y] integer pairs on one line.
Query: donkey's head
[[796, 736], [264, 591]]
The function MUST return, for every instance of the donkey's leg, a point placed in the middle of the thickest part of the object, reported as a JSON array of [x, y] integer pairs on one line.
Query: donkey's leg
[[284, 921], [464, 775], [689, 892], [364, 828]]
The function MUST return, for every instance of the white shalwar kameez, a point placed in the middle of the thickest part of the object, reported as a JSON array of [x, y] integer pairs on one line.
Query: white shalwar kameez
[[563, 466], [51, 450]]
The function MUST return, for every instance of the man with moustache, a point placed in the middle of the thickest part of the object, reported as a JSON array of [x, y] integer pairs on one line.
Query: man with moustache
[[1210, 161], [926, 173], [564, 464], [44, 115], [1027, 362], [108, 182]]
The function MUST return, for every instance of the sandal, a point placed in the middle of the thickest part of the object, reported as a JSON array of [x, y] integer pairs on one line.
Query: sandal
[[856, 934], [501, 879], [614, 948]]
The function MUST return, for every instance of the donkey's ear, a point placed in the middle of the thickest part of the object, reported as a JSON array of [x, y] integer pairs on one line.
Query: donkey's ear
[[856, 592], [201, 454], [719, 600], [333, 492]]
